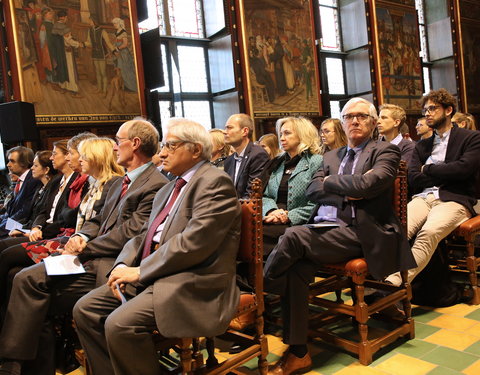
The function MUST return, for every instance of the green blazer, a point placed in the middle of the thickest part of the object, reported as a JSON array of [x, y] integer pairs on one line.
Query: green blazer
[[298, 206]]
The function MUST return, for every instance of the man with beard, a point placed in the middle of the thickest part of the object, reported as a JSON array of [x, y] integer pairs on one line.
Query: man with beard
[[442, 177]]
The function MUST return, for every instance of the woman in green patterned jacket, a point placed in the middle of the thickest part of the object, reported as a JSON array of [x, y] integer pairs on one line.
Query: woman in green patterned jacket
[[284, 200]]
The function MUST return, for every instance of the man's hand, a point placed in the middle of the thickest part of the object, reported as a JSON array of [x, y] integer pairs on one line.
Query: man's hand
[[35, 234], [75, 245], [123, 275]]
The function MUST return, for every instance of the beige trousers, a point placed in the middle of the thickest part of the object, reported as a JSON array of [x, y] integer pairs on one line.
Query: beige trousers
[[431, 220]]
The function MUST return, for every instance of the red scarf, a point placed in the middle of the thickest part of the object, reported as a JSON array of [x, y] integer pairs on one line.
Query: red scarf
[[76, 188]]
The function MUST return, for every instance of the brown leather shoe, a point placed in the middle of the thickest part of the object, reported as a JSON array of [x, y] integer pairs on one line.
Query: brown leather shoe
[[290, 364]]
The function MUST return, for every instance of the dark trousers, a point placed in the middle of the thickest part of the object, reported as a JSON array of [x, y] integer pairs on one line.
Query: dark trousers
[[291, 267], [35, 296]]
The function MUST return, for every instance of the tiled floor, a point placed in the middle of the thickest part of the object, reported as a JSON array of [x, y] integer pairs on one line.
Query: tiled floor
[[447, 342]]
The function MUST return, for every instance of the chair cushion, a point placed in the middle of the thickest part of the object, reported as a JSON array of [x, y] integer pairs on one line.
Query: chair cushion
[[357, 267], [468, 226]]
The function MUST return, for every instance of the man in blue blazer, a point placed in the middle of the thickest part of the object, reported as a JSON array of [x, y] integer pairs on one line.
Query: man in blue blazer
[[249, 160], [351, 189], [20, 160]]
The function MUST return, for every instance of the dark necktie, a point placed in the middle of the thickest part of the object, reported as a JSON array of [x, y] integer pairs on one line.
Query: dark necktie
[[147, 249], [17, 187], [345, 214], [126, 181]]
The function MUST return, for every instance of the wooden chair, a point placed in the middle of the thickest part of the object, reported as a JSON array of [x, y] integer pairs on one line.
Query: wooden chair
[[250, 252], [461, 245], [354, 275]]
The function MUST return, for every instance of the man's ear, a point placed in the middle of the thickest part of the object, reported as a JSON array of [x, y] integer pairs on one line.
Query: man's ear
[[197, 150], [136, 142], [449, 111]]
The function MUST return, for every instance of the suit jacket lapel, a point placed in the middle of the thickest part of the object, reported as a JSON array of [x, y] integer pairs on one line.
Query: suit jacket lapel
[[364, 157], [335, 164], [452, 140]]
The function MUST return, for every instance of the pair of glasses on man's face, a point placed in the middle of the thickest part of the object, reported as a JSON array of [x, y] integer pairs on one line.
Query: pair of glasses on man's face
[[430, 109], [171, 146], [361, 117]]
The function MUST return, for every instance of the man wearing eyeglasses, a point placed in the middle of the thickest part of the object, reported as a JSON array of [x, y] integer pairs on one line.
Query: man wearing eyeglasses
[[249, 160], [442, 178], [178, 277], [127, 207], [352, 219]]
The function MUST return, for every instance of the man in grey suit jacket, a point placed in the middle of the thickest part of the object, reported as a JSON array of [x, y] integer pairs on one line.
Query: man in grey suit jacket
[[390, 119], [249, 160], [352, 188], [179, 276], [99, 242]]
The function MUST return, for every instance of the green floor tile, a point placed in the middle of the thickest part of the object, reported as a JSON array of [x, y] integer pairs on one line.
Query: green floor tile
[[423, 315], [253, 363], [474, 315], [423, 330], [416, 348], [474, 349], [328, 362], [450, 358], [443, 371]]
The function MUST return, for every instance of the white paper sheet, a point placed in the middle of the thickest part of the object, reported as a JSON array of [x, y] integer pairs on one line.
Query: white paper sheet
[[15, 225], [63, 265]]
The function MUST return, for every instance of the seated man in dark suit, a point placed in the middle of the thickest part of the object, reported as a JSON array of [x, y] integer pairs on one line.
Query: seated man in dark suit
[[442, 177], [249, 160], [20, 160], [389, 121], [351, 189], [178, 277], [126, 209]]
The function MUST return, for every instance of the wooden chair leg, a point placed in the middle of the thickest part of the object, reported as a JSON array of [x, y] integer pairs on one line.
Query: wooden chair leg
[[262, 358], [186, 360], [211, 359], [472, 272], [361, 316]]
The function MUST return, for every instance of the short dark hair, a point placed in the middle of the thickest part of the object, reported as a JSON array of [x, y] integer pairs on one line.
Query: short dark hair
[[61, 145], [43, 158], [442, 97], [25, 156]]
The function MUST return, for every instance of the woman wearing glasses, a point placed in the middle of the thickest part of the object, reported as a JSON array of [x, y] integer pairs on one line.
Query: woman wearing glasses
[[284, 201], [332, 135]]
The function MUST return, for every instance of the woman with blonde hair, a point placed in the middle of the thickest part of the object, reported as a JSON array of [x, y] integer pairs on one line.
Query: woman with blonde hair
[[464, 120], [220, 150], [284, 200], [97, 159], [332, 134], [269, 142]]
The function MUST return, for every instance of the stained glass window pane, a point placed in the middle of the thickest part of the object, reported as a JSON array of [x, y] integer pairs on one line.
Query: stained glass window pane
[[331, 3], [420, 10], [336, 85], [330, 30], [193, 70], [186, 18], [165, 115], [166, 87], [335, 109], [153, 20], [426, 79], [198, 111]]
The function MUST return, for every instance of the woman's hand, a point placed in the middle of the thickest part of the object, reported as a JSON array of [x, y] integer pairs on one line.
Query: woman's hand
[[35, 234], [276, 217]]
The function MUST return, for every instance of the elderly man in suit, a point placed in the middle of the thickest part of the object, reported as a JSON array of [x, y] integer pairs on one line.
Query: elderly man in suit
[[351, 189], [390, 119], [249, 160], [20, 160], [177, 277], [127, 207], [442, 177]]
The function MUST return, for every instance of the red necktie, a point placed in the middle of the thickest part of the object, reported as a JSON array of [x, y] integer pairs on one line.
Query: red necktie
[[17, 187], [161, 217], [125, 183]]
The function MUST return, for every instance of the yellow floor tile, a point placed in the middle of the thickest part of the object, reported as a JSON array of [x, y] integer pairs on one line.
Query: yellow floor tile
[[458, 310], [453, 322], [473, 369], [451, 339], [401, 364], [358, 369], [275, 343], [475, 330]]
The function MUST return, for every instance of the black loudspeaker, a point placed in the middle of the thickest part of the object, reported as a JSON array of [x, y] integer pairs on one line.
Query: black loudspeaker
[[152, 59], [142, 10], [17, 122]]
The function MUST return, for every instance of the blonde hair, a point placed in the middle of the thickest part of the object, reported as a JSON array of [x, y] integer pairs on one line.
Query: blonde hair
[[396, 112], [469, 120], [306, 132], [271, 140], [99, 153], [218, 140], [340, 136]]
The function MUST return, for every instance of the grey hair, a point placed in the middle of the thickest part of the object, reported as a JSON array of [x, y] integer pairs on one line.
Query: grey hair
[[372, 110], [191, 131]]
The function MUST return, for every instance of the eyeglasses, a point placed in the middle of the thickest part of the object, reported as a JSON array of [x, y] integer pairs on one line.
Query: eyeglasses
[[171, 146], [326, 132], [119, 140], [430, 109], [361, 117]]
